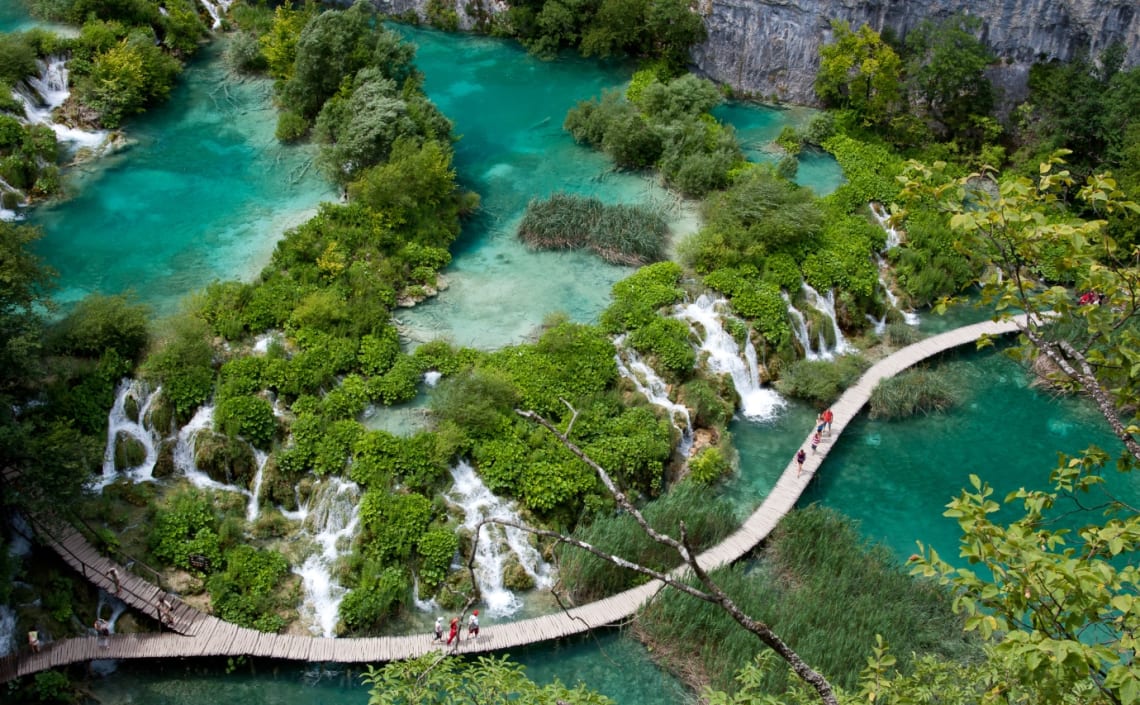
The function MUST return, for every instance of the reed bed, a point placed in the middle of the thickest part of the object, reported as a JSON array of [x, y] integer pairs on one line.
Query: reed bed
[[707, 521], [620, 234], [826, 592], [915, 391]]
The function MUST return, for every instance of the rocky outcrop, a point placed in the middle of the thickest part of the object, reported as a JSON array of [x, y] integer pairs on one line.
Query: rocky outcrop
[[771, 47]]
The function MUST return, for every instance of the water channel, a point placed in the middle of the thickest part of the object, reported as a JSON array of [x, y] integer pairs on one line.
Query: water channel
[[206, 190]]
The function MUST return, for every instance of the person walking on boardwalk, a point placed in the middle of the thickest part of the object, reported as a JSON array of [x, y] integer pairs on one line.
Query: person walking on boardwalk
[[828, 417], [113, 574], [800, 458], [815, 441], [103, 630], [438, 629], [473, 625], [34, 641], [453, 634]]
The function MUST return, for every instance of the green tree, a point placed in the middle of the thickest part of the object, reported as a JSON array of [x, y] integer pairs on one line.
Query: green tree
[[946, 72], [860, 72]]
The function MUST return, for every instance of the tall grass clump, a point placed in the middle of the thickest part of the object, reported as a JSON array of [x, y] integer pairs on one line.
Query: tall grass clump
[[912, 392], [821, 381], [825, 591], [619, 234], [707, 521]]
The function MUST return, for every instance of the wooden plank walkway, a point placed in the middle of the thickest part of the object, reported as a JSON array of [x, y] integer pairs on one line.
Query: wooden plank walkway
[[199, 634]]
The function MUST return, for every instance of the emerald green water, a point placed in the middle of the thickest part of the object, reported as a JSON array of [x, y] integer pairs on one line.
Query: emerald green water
[[14, 16], [204, 194]]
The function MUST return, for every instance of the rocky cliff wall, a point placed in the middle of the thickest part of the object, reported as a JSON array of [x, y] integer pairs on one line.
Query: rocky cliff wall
[[771, 47]]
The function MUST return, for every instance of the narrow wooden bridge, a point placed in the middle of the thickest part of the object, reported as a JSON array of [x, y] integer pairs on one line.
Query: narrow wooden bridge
[[197, 634]]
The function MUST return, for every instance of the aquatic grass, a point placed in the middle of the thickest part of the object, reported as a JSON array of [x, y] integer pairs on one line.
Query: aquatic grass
[[921, 390], [620, 234], [707, 521], [827, 592]]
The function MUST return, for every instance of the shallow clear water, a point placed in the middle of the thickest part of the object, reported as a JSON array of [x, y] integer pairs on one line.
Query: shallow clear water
[[14, 16], [204, 194]]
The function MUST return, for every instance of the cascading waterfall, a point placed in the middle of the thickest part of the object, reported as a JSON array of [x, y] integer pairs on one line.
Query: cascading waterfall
[[332, 518], [799, 328], [882, 217], [7, 630], [470, 494], [253, 509], [826, 306], [49, 90], [113, 609], [216, 9], [646, 380], [429, 605], [118, 422], [757, 403]]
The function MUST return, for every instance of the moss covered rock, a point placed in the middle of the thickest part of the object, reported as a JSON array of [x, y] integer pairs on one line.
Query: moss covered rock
[[129, 451], [164, 463], [225, 459]]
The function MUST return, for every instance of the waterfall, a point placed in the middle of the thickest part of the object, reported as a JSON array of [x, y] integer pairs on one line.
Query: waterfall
[[216, 8], [333, 515], [252, 509], [422, 605], [49, 90], [645, 380], [432, 377], [826, 306], [883, 218], [799, 328], [470, 494], [724, 356], [119, 423]]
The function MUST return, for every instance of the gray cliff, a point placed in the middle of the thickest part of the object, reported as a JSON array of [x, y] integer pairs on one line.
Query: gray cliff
[[771, 47]]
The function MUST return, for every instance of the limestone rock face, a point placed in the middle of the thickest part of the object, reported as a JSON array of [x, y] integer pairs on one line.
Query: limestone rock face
[[771, 47]]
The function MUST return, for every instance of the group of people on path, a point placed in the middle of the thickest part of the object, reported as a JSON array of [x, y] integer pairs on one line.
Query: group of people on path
[[823, 425], [453, 633]]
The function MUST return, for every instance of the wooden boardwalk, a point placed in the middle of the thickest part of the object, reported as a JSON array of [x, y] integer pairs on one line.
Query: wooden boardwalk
[[197, 634]]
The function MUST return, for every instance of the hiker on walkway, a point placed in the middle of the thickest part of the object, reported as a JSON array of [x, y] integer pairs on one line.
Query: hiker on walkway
[[800, 458], [113, 574], [102, 630], [34, 641], [473, 625], [828, 417], [819, 423], [815, 441], [438, 629], [453, 634]]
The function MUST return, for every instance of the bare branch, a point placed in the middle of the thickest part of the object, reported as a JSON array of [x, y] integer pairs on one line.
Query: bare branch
[[712, 593]]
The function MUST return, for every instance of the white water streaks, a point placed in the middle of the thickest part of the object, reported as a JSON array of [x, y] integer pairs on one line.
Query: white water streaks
[[883, 218], [826, 306], [7, 630], [646, 380], [48, 90], [216, 9], [184, 451], [496, 542], [332, 518], [119, 423], [724, 355], [799, 328]]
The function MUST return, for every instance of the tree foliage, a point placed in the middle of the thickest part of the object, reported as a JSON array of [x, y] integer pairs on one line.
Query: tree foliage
[[860, 72]]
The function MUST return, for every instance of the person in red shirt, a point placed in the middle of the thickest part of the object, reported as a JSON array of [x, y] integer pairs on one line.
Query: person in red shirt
[[454, 633]]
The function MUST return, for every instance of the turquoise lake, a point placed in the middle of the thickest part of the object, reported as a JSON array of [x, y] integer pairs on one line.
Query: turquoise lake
[[206, 191]]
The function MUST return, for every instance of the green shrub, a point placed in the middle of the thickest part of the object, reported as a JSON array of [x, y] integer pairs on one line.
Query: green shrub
[[291, 127], [666, 340], [399, 384], [709, 465], [820, 382], [436, 549], [245, 593], [393, 522], [380, 594], [187, 526], [243, 55], [481, 402], [100, 323], [637, 298], [249, 417], [183, 365], [911, 392]]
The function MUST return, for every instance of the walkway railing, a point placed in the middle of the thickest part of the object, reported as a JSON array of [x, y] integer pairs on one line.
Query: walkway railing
[[202, 635]]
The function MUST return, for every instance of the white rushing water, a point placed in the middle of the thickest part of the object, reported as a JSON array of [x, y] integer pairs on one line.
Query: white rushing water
[[826, 306], [216, 9], [724, 356], [331, 519], [894, 237], [646, 380], [49, 90], [118, 422], [799, 328], [496, 542]]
